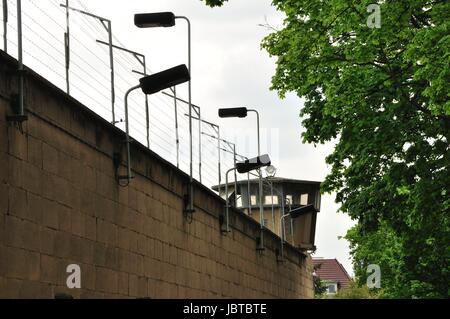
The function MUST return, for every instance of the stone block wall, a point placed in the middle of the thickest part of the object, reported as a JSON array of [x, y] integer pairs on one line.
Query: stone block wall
[[61, 204]]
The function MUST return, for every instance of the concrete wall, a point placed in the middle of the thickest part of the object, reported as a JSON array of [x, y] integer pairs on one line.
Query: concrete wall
[[60, 204]]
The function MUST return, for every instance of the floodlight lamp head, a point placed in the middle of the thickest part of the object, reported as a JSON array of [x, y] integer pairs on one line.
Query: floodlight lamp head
[[253, 164], [154, 83], [154, 20], [233, 112], [271, 171]]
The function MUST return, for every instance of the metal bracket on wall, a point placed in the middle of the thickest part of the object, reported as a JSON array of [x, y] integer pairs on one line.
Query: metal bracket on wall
[[117, 158], [280, 258], [5, 25], [259, 246], [224, 228], [188, 207], [15, 105], [221, 221]]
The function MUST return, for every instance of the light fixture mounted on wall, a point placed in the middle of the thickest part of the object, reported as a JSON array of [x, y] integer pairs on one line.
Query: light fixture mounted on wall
[[241, 112], [151, 84], [243, 167], [166, 20]]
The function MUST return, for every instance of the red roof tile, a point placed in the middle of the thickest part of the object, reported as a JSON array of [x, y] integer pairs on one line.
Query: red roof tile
[[331, 270]]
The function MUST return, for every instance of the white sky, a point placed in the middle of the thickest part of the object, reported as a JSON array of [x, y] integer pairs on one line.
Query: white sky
[[228, 69]]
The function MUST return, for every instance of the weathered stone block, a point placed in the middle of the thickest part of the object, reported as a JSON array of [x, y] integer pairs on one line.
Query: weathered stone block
[[9, 288], [78, 223], [20, 264], [106, 186], [50, 214], [18, 143], [35, 154], [106, 280], [88, 178], [34, 208], [88, 276], [91, 227], [106, 256], [82, 250], [4, 198], [47, 240], [50, 158], [141, 199], [123, 284], [138, 286], [4, 167], [107, 232], [130, 262], [17, 201], [53, 270], [62, 244], [22, 233]]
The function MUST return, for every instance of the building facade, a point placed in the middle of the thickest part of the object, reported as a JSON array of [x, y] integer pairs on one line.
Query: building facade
[[332, 274]]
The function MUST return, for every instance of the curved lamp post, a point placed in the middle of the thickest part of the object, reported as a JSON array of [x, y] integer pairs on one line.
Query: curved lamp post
[[242, 112], [271, 171], [242, 168], [166, 20], [152, 84]]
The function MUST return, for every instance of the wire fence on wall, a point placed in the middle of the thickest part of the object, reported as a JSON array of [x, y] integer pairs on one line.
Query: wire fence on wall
[[88, 79]]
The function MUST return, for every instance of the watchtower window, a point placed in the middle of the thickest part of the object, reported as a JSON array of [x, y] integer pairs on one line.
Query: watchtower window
[[304, 199], [289, 199], [269, 200]]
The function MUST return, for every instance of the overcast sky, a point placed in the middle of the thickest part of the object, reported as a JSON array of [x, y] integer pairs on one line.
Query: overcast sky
[[228, 69]]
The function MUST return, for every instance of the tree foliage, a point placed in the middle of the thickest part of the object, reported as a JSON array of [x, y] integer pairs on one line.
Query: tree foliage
[[215, 3], [355, 291], [319, 287], [383, 95]]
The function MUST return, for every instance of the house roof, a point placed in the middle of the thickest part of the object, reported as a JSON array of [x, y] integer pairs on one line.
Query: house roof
[[331, 270], [272, 179]]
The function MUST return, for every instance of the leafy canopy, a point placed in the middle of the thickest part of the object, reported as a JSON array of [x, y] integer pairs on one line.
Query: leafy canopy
[[383, 94]]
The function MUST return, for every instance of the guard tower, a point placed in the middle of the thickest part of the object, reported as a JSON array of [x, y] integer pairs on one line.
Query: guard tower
[[280, 195]]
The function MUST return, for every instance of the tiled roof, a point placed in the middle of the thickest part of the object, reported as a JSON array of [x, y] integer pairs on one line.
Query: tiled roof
[[331, 270]]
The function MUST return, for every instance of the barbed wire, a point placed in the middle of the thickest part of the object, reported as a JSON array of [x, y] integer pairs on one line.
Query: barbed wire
[[90, 81]]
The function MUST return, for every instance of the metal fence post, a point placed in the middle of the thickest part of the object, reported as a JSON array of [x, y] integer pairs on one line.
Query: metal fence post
[[219, 163], [20, 55], [67, 47], [200, 145], [249, 195], [111, 63], [5, 25], [235, 176], [147, 111], [177, 137], [273, 211]]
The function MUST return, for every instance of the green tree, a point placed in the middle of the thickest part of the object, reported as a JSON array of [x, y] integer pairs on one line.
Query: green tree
[[319, 287], [355, 292], [383, 95]]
